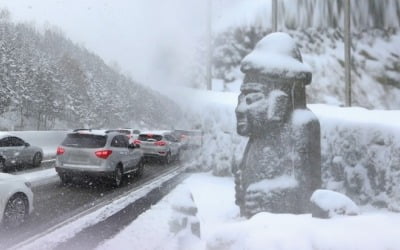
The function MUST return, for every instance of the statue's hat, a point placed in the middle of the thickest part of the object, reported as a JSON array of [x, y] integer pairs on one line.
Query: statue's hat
[[277, 56]]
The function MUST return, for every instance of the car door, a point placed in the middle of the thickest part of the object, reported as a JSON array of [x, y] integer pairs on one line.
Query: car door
[[25, 152], [5, 151], [173, 144], [11, 150], [133, 154], [119, 145]]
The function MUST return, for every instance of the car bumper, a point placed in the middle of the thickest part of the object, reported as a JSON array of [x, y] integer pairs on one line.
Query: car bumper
[[75, 170], [154, 155]]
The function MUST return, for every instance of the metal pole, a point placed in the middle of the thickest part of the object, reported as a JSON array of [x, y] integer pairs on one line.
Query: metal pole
[[274, 11], [209, 48], [347, 52]]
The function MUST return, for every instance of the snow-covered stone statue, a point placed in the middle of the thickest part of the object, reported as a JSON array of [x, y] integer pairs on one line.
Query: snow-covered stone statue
[[281, 166]]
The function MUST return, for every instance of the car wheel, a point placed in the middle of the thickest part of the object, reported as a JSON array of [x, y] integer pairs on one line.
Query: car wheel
[[140, 170], [2, 164], [178, 156], [65, 179], [16, 211], [167, 158], [37, 160], [117, 178]]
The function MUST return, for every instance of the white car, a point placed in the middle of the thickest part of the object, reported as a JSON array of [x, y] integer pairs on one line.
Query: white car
[[16, 200]]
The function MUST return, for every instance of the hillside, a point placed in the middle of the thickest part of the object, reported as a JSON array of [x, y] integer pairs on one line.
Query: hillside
[[317, 27], [375, 65], [48, 82]]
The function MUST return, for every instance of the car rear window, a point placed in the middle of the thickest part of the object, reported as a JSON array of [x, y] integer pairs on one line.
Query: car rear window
[[122, 131], [179, 133], [85, 141], [149, 137]]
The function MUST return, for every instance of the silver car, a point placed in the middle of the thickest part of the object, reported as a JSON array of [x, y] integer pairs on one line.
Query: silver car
[[16, 152], [132, 134], [190, 139], [98, 154], [159, 144]]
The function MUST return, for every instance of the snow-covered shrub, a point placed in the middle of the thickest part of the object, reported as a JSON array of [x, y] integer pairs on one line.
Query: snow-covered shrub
[[328, 204], [222, 146]]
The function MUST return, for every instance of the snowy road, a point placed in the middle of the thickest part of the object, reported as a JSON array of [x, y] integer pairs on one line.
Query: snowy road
[[55, 203]]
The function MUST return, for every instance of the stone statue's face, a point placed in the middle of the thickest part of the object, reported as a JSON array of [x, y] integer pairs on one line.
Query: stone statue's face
[[252, 108]]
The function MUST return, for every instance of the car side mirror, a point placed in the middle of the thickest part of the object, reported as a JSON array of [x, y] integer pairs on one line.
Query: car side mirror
[[133, 146], [27, 144]]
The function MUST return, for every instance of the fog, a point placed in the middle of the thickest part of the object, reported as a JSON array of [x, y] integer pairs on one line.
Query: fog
[[150, 40], [157, 41]]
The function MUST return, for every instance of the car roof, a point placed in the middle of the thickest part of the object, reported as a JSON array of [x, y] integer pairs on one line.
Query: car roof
[[118, 129], [5, 134], [156, 132]]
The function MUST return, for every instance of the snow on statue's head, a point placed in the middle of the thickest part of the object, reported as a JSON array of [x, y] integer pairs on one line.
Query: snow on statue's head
[[274, 82]]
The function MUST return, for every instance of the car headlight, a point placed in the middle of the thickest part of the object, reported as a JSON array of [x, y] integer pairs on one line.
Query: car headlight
[[28, 184]]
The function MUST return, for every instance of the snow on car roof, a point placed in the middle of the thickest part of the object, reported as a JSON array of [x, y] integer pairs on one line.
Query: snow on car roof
[[91, 131]]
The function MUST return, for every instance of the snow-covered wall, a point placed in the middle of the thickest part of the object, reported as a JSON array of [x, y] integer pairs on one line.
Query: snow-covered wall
[[361, 153], [360, 147]]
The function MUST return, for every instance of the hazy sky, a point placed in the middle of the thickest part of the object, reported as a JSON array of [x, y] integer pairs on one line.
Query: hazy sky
[[134, 33], [151, 40]]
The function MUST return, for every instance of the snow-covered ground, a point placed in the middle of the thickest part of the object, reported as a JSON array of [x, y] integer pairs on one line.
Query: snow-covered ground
[[221, 225], [222, 228], [353, 139]]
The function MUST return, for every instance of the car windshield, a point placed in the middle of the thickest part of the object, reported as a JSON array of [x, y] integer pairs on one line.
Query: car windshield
[[85, 141]]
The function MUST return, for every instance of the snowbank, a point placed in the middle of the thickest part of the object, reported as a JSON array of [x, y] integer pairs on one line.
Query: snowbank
[[222, 228]]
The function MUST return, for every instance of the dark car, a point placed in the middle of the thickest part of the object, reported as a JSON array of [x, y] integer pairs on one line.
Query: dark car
[[14, 152]]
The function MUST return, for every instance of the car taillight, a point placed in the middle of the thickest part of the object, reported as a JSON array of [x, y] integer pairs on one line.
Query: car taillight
[[60, 150], [136, 141], [160, 143], [104, 154]]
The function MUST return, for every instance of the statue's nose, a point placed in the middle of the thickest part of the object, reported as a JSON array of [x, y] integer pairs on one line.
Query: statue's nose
[[240, 109], [240, 115]]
